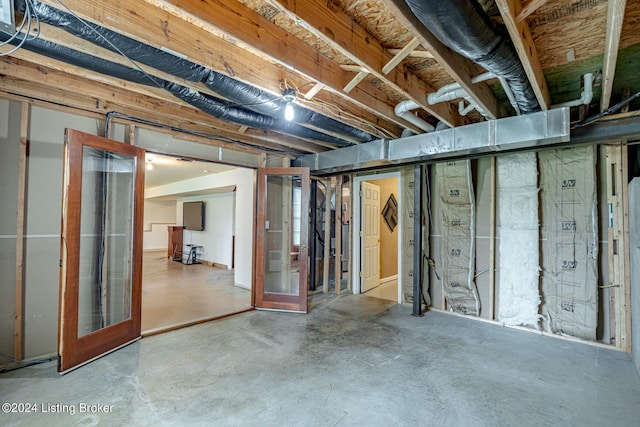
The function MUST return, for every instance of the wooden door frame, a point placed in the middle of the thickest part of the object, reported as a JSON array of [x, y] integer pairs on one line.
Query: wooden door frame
[[286, 303]]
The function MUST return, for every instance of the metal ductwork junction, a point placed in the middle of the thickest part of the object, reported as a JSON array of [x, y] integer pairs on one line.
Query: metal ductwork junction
[[535, 130], [243, 104], [462, 25]]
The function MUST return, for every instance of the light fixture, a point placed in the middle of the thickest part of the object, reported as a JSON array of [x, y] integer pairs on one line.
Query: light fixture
[[149, 165], [289, 95]]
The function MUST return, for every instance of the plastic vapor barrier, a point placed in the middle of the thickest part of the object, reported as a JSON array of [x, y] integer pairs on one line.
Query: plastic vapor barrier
[[408, 204], [458, 236], [517, 188], [570, 241]]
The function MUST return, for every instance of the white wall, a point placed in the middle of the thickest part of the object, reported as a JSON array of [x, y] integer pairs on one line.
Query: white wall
[[243, 180], [217, 236], [158, 215]]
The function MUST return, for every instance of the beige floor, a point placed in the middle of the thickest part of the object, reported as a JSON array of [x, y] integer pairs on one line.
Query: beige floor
[[387, 291], [175, 294]]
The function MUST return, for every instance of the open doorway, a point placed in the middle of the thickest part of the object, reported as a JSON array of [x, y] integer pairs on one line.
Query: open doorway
[[191, 219], [377, 233]]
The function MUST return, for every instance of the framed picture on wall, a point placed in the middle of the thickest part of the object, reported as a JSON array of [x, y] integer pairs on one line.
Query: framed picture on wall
[[390, 212]]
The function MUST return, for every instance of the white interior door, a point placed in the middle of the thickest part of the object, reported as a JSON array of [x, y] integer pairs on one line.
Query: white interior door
[[370, 242]]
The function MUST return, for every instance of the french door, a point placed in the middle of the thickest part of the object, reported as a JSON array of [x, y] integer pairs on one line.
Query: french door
[[281, 239], [101, 248]]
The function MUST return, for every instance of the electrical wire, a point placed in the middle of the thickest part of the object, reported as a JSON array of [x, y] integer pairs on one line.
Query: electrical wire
[[608, 111], [28, 17]]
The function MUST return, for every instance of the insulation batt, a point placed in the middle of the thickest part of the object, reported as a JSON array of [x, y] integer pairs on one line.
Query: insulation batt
[[519, 296]]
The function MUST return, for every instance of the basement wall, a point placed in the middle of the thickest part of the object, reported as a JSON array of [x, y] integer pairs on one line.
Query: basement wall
[[158, 215], [217, 237]]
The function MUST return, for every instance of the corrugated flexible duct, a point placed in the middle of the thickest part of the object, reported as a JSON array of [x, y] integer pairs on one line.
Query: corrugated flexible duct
[[463, 26], [213, 106], [238, 92]]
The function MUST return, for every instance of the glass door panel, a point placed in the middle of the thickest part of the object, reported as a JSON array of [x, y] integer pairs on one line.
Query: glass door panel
[[100, 282], [283, 197]]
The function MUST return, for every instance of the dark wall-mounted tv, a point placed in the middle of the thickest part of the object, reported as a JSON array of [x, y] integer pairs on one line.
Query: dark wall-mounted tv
[[193, 216]]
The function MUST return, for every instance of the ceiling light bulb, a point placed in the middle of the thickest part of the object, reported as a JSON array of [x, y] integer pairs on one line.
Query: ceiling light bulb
[[288, 111]]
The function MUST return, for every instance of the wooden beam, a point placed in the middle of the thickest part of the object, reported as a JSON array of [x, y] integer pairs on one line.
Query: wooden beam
[[400, 56], [199, 43], [459, 68], [354, 82], [615, 16], [526, 49], [109, 94], [314, 91], [18, 338], [531, 7], [329, 23], [422, 54]]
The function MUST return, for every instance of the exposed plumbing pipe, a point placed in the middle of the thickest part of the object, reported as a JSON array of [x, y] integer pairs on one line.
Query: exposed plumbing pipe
[[453, 86], [585, 97], [403, 109], [509, 93]]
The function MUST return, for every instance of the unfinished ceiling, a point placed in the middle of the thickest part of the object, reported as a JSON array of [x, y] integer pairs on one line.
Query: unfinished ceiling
[[359, 69]]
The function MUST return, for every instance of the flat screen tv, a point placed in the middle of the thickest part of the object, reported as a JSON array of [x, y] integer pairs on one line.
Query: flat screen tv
[[193, 216]]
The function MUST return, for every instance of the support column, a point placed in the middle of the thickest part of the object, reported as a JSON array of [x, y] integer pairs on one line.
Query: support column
[[417, 239]]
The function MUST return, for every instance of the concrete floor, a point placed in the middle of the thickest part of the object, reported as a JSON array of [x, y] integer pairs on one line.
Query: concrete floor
[[174, 293], [352, 361]]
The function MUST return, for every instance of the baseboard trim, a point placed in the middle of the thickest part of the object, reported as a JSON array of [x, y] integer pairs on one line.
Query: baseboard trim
[[389, 279]]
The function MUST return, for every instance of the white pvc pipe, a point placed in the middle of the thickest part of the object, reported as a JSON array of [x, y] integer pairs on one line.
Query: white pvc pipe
[[403, 109], [509, 93], [445, 92], [585, 97]]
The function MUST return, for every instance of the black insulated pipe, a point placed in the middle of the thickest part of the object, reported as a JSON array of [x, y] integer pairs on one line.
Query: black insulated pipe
[[213, 106], [463, 26], [238, 92]]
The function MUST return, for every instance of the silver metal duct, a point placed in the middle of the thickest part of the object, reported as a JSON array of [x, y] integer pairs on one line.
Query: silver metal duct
[[512, 133]]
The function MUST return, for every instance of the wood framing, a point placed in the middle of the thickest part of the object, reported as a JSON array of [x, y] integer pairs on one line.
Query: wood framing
[[330, 187], [18, 337], [527, 52], [618, 243], [527, 10], [615, 15], [459, 68]]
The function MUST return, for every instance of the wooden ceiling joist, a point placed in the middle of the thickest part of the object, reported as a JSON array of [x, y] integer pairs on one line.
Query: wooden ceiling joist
[[252, 32], [526, 49], [154, 26], [330, 24], [459, 68], [615, 16]]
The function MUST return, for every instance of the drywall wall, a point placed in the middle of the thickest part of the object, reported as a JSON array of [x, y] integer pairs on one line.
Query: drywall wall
[[388, 238], [9, 154], [158, 215], [42, 245], [217, 237], [243, 180], [634, 246]]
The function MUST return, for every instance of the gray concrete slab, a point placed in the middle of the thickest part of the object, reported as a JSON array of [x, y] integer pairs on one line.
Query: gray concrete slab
[[352, 361]]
